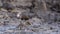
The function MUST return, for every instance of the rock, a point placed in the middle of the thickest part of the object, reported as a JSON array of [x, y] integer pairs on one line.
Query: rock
[[8, 6]]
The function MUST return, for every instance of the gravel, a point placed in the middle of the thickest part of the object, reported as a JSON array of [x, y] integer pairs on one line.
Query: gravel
[[29, 17]]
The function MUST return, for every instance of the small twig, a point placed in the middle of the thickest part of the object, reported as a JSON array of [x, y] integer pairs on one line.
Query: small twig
[[44, 5]]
